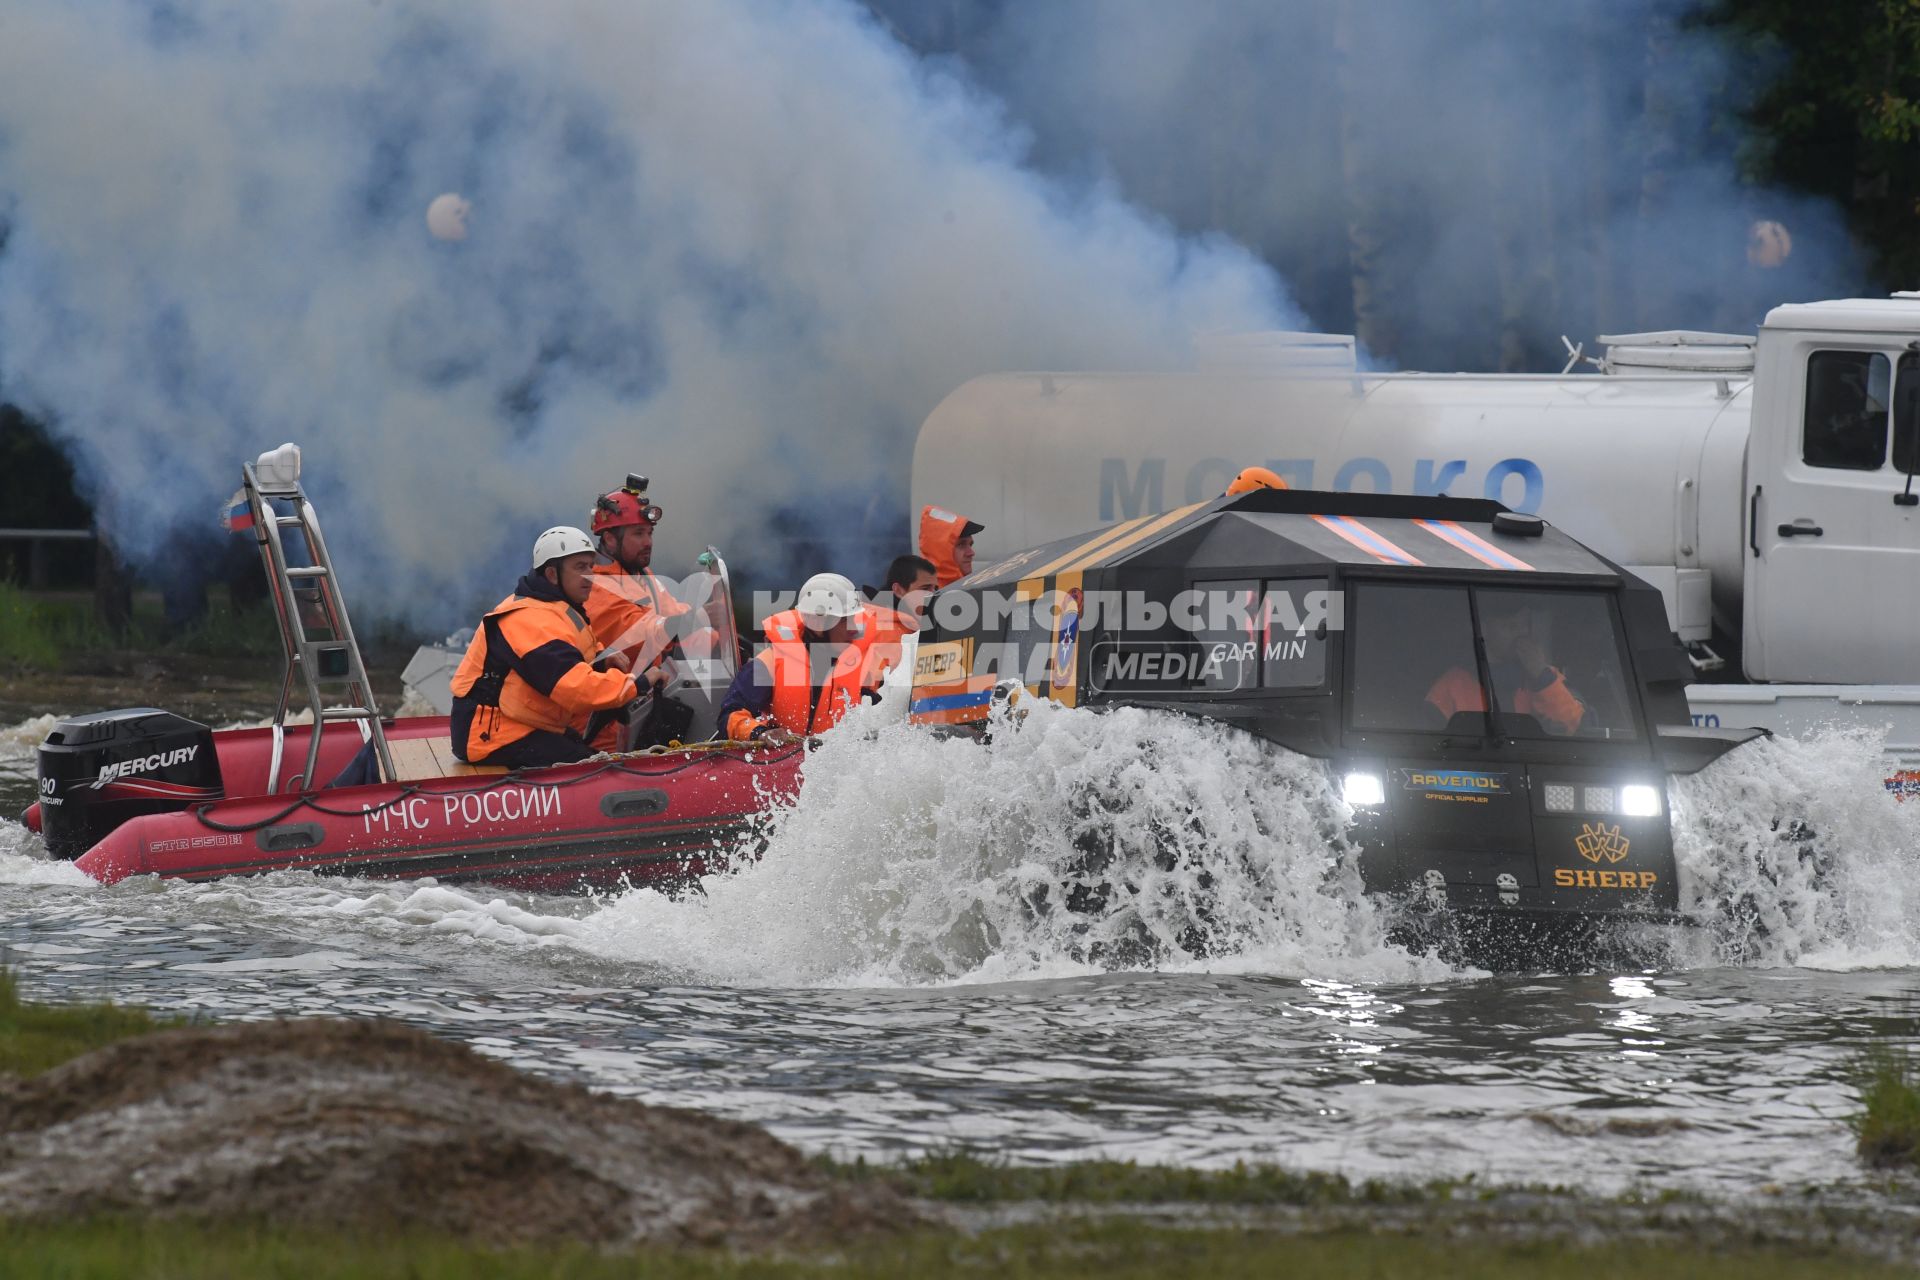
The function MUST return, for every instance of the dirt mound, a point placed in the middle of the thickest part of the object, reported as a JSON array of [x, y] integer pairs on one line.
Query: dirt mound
[[374, 1124]]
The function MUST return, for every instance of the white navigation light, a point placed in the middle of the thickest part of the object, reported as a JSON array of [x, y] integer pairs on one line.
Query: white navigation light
[[279, 467], [1639, 801], [1364, 789], [1560, 797]]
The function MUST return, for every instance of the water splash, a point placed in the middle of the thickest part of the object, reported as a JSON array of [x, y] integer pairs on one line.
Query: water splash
[[1791, 853], [1076, 843], [20, 743], [23, 861], [1072, 843]]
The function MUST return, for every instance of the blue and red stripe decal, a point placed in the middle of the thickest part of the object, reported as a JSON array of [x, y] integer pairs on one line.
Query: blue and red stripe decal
[[1371, 541], [952, 702], [1461, 538]]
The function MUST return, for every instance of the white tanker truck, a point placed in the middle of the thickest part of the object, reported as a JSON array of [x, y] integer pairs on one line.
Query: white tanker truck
[[1764, 484]]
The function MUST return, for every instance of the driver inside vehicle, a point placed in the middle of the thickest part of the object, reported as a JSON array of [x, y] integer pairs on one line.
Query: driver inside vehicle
[[1524, 680]]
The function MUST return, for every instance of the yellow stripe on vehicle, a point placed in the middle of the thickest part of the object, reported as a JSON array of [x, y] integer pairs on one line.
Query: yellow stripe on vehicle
[[1092, 545], [1131, 540]]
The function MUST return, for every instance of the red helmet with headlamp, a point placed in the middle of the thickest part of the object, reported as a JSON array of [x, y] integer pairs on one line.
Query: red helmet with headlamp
[[624, 506]]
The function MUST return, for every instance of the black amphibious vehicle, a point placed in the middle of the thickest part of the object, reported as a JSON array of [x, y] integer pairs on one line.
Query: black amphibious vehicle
[[1500, 706]]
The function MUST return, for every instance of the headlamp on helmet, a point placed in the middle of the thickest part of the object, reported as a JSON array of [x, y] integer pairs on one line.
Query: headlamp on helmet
[[624, 506]]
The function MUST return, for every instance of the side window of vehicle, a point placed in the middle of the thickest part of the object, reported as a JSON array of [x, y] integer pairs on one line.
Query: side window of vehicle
[[1848, 393], [1906, 414], [1298, 617], [1227, 635]]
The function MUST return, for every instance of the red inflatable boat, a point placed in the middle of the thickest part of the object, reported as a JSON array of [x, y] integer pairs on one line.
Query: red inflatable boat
[[143, 791], [646, 818]]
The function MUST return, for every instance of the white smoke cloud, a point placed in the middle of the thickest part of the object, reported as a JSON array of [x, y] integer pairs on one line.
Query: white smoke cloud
[[1531, 169], [744, 247]]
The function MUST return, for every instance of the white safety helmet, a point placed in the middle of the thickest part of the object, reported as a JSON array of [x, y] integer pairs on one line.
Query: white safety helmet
[[828, 595], [561, 540]]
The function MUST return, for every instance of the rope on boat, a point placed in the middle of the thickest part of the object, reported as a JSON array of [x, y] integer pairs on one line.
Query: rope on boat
[[750, 753]]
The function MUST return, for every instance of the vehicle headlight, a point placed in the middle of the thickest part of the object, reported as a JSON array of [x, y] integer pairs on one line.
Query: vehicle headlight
[[1639, 801], [1361, 789]]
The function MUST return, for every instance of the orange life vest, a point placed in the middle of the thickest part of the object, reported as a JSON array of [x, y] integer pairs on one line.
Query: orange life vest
[[885, 628], [494, 694], [798, 705], [1555, 706], [629, 613]]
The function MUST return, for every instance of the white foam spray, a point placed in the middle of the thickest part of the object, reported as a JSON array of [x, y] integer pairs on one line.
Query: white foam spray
[[23, 861], [1076, 843], [1792, 853], [1071, 843], [21, 741]]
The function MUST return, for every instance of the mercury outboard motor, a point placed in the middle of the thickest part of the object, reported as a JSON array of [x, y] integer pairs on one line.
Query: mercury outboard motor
[[98, 771]]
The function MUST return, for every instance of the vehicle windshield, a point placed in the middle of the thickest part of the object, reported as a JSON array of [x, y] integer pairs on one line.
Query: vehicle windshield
[[709, 639], [1546, 662]]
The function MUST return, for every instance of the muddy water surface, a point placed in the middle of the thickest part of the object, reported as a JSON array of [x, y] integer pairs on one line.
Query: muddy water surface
[[880, 983]]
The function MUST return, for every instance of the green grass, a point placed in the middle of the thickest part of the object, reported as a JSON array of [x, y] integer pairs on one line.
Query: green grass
[[45, 631], [1117, 1249], [34, 1037], [1887, 1126], [34, 632], [221, 631], [967, 1178]]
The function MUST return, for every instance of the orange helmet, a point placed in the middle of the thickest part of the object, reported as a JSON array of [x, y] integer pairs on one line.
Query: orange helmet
[[1254, 478], [625, 506]]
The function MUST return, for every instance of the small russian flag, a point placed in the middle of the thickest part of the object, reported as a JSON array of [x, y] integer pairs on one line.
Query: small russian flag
[[238, 513]]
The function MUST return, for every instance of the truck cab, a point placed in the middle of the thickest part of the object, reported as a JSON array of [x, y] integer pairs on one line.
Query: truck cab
[[1833, 515]]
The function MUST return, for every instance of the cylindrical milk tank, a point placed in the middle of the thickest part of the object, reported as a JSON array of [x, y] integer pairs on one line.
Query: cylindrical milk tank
[[1646, 470]]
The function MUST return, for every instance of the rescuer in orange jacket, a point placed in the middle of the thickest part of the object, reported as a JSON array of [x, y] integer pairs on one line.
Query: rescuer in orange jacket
[[629, 609], [527, 690], [897, 610], [808, 675], [1523, 680], [947, 540]]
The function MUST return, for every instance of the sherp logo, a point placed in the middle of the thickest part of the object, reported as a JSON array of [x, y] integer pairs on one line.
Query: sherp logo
[[145, 764], [1597, 840]]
